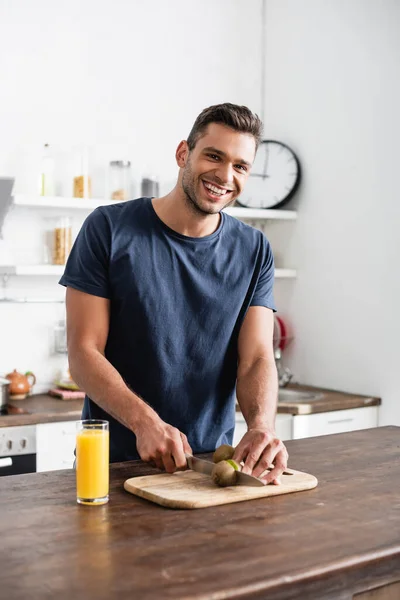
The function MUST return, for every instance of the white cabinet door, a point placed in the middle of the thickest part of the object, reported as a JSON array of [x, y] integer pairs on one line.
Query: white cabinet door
[[55, 445], [337, 421], [283, 425], [240, 428]]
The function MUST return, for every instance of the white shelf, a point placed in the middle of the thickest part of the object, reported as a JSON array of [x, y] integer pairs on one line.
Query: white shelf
[[261, 213], [87, 204], [92, 203], [285, 273], [32, 269], [59, 270]]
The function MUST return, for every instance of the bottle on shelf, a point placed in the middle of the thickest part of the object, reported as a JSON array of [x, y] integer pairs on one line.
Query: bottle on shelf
[[46, 178], [62, 241], [82, 187], [119, 180], [150, 186]]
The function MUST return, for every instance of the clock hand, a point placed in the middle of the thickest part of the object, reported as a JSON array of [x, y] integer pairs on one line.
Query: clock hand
[[266, 163]]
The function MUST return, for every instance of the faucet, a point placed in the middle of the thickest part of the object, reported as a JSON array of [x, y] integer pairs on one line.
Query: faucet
[[284, 374]]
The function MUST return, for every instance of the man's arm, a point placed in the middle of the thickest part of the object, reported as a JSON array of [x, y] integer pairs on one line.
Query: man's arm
[[87, 331], [257, 393]]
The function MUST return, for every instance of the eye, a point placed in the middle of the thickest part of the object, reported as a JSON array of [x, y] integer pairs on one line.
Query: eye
[[241, 167], [213, 156]]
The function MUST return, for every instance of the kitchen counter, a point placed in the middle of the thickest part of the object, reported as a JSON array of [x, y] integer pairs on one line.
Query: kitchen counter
[[327, 400], [338, 539], [41, 408]]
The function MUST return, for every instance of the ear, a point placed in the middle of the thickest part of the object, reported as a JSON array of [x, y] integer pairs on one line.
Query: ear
[[182, 152]]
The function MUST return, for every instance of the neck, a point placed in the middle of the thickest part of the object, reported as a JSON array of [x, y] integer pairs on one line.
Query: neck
[[176, 212]]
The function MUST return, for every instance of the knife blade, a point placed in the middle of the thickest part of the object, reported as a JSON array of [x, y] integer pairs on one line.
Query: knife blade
[[205, 467]]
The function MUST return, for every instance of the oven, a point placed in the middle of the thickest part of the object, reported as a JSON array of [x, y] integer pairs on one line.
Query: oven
[[17, 450]]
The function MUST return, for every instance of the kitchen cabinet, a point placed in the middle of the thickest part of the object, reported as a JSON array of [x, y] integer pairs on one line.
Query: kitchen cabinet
[[283, 425], [337, 421], [55, 445]]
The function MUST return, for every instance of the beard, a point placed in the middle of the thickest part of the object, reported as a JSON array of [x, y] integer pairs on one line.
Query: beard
[[195, 203]]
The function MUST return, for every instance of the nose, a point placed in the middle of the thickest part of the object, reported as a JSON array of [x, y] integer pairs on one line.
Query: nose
[[225, 173]]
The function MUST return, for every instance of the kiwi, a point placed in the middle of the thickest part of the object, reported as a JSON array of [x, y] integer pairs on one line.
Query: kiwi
[[224, 452], [224, 473], [234, 464]]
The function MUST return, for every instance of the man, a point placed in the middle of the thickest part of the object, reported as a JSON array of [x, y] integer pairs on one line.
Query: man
[[170, 306]]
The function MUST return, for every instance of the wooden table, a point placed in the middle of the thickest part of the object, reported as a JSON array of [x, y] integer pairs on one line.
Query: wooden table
[[333, 542]]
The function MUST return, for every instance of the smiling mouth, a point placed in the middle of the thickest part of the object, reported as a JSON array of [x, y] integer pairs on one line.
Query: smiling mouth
[[215, 191]]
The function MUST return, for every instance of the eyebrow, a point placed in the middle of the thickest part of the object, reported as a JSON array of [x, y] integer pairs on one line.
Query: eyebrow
[[220, 153]]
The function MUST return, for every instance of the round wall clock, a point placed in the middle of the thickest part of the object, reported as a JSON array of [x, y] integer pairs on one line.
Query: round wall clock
[[274, 177]]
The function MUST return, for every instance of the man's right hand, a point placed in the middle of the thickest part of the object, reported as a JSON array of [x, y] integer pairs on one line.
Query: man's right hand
[[158, 442]]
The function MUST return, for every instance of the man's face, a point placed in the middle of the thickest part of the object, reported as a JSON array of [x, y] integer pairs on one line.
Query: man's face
[[215, 171]]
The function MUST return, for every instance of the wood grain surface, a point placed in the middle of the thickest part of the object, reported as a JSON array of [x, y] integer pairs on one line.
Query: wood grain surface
[[336, 540], [188, 489]]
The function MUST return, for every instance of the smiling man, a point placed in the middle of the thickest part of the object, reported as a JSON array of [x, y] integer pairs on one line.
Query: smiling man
[[170, 310]]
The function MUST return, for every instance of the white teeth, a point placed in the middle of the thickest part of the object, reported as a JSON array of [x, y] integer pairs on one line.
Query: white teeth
[[215, 190]]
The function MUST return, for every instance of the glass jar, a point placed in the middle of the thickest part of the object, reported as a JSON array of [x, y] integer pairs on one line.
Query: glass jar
[[150, 186], [119, 180], [82, 183], [60, 337], [62, 241]]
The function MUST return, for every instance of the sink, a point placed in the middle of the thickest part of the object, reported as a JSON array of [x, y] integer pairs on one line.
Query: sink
[[287, 395]]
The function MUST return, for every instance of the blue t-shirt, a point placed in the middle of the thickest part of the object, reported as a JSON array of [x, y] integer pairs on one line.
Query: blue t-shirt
[[177, 304]]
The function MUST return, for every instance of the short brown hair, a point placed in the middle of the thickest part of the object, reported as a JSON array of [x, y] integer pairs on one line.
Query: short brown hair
[[238, 118]]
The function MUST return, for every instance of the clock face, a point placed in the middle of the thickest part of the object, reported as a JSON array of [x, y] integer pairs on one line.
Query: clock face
[[274, 177]]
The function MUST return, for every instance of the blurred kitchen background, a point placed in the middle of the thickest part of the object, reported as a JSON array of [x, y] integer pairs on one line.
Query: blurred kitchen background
[[102, 81]]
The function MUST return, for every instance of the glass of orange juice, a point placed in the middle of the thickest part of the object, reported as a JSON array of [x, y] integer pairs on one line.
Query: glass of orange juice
[[92, 461]]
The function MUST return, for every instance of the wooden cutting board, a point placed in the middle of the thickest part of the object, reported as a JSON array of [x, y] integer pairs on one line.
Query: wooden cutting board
[[187, 489]]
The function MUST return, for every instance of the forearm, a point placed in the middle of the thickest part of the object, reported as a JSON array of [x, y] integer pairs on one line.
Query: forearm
[[104, 385], [257, 393]]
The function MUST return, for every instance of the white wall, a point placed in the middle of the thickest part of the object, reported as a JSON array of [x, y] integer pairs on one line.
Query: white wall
[[126, 77], [333, 94]]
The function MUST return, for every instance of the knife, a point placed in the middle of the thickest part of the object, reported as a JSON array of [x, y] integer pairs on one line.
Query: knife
[[205, 467]]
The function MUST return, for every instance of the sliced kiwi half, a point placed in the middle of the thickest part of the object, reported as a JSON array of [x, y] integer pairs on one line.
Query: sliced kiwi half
[[234, 464], [224, 452], [224, 473]]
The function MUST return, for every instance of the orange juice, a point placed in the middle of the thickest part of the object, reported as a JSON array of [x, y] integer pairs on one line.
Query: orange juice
[[92, 465]]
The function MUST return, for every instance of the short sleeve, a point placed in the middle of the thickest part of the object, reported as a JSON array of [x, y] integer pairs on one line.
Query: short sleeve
[[87, 266], [263, 293]]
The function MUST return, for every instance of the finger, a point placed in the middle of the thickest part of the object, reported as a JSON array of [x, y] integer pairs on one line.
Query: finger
[[158, 461], [169, 463], [159, 464], [274, 475], [178, 453], [252, 458], [241, 452], [186, 446], [263, 464], [186, 449], [268, 457]]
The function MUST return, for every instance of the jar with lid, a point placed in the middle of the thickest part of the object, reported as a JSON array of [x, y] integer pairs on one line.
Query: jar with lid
[[150, 186], [119, 180], [60, 337], [82, 184], [62, 241]]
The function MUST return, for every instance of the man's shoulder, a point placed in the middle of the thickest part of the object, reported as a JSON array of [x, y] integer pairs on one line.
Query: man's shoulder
[[128, 207], [112, 216], [243, 231]]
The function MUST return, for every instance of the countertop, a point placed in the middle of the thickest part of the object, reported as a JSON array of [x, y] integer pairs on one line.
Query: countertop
[[42, 408], [329, 400], [340, 538]]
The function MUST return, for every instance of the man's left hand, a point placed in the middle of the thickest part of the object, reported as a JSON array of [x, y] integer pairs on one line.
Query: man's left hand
[[261, 449]]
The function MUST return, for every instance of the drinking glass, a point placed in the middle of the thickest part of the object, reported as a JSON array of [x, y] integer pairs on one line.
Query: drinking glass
[[92, 462]]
